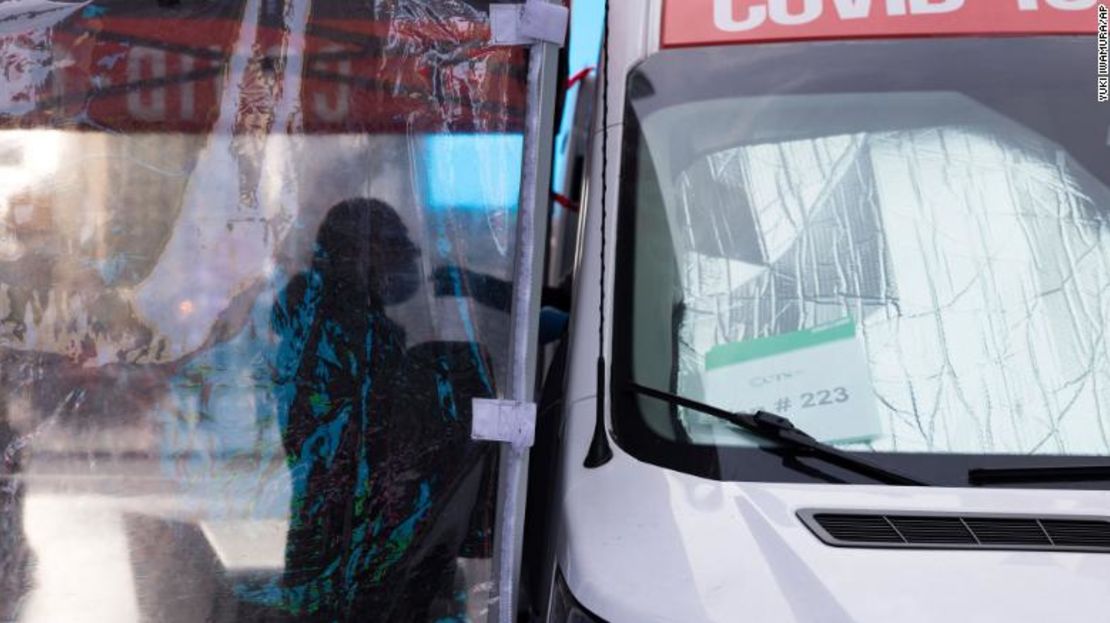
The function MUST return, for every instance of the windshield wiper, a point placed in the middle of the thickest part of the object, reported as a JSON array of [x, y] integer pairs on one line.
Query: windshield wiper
[[783, 432], [1068, 473]]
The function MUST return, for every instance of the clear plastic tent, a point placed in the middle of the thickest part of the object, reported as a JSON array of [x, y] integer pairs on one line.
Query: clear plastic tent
[[237, 344]]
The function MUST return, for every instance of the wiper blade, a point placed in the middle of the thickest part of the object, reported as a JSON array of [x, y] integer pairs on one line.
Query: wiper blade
[[783, 432], [1069, 473]]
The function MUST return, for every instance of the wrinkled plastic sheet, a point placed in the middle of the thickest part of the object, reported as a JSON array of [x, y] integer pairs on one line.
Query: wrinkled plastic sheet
[[238, 340], [973, 261]]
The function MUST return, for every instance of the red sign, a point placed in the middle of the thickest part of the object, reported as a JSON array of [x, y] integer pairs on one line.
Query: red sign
[[132, 71], [706, 22]]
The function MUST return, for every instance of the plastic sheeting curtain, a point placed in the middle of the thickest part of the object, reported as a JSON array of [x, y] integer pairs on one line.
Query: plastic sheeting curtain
[[239, 329]]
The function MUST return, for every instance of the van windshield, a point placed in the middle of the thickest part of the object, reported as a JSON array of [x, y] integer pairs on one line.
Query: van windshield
[[903, 246]]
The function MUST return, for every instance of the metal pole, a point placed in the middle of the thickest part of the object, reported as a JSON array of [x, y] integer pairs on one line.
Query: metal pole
[[530, 232]]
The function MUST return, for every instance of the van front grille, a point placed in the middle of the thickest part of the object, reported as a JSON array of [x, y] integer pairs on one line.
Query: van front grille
[[958, 531]]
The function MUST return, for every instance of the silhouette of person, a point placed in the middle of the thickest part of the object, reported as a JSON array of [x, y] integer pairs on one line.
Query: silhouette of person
[[337, 355], [388, 492]]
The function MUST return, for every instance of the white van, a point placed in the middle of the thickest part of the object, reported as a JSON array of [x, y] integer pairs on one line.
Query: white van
[[887, 222]]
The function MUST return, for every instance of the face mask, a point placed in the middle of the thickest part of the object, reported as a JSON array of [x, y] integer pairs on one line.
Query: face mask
[[398, 285]]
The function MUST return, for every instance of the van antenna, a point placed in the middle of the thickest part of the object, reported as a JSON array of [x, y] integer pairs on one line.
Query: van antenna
[[600, 453]]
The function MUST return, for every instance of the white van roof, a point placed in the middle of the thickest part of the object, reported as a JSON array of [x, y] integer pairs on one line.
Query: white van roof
[[639, 28]]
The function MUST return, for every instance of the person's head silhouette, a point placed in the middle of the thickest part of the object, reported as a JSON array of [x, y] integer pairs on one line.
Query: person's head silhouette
[[363, 250]]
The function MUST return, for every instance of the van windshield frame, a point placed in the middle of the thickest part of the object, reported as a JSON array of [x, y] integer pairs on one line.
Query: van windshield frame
[[906, 66]]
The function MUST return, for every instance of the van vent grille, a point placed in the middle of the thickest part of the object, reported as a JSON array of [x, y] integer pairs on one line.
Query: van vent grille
[[938, 530], [964, 531]]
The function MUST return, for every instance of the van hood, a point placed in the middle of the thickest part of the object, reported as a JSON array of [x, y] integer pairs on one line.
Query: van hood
[[642, 543]]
